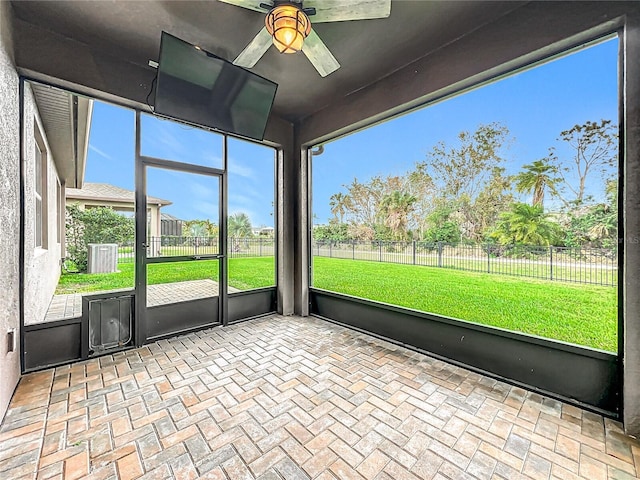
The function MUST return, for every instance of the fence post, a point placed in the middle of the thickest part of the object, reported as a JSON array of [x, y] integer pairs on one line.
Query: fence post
[[440, 254], [330, 247], [414, 252], [380, 251], [353, 249], [260, 245], [488, 258], [550, 262]]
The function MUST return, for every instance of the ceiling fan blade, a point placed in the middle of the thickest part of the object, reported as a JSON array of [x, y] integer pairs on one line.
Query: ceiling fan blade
[[319, 55], [250, 4], [343, 10], [255, 50]]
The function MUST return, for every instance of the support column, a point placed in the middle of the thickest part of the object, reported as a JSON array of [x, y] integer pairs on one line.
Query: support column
[[303, 215], [287, 188], [631, 224]]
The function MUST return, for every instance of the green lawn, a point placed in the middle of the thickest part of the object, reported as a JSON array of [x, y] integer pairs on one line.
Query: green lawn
[[581, 314], [244, 273], [589, 269]]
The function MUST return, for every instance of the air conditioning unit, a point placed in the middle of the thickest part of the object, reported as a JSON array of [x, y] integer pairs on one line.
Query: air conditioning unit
[[102, 258]]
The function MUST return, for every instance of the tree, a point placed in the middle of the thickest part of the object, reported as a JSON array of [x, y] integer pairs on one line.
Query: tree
[[479, 218], [338, 203], [333, 232], [94, 225], [537, 177], [361, 233], [198, 233], [595, 226], [465, 177], [420, 184], [526, 225], [239, 225], [464, 168], [364, 200], [200, 228], [395, 209], [468, 178], [594, 147], [443, 228], [363, 204]]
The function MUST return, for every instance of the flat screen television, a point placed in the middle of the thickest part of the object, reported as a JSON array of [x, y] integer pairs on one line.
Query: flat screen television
[[200, 88]]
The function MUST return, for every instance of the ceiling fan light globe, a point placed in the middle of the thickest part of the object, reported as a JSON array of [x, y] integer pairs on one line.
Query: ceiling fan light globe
[[288, 41], [289, 26]]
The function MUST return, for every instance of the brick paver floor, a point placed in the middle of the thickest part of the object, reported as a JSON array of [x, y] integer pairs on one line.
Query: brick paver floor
[[294, 398]]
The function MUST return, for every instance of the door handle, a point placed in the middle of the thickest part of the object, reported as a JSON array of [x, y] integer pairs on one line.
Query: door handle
[[207, 257]]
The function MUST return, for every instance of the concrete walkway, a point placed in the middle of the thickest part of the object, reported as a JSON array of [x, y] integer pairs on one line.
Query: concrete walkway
[[63, 307]]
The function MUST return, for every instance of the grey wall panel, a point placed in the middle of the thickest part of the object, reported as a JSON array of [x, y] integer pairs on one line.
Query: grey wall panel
[[175, 318], [52, 345], [251, 304], [580, 375]]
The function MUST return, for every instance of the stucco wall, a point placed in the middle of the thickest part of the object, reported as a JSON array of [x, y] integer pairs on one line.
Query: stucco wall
[[42, 264], [9, 211]]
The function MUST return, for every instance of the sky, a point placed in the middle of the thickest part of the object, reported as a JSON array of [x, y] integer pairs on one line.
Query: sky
[[194, 197], [535, 105]]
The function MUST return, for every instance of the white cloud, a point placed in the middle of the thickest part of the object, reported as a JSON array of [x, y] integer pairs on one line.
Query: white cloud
[[100, 152], [240, 200], [250, 213], [240, 170], [171, 143], [202, 191], [211, 160], [208, 209]]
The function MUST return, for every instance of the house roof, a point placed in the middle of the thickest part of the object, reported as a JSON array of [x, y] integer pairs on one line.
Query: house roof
[[66, 119], [109, 193]]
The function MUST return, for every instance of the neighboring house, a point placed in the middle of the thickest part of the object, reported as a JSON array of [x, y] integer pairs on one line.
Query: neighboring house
[[170, 226], [263, 231], [56, 133], [93, 195]]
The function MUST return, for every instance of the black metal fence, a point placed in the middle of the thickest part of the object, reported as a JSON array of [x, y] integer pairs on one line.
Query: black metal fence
[[172, 246], [579, 265]]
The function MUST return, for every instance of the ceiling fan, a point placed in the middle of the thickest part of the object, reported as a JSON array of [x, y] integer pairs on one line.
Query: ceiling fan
[[288, 27]]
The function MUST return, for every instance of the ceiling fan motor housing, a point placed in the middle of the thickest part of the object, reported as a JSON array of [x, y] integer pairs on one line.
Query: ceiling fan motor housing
[[289, 25]]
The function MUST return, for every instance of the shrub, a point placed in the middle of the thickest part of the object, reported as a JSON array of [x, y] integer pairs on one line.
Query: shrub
[[94, 225]]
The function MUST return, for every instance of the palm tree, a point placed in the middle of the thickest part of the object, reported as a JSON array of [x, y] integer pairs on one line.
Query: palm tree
[[239, 225], [538, 177], [396, 208], [338, 203], [196, 228], [525, 224]]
